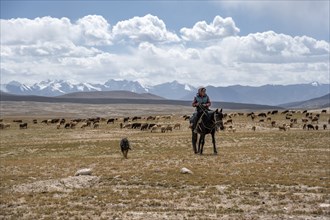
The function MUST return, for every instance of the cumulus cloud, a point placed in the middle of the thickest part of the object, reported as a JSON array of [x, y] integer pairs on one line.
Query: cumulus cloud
[[95, 30], [89, 30], [143, 29], [218, 29], [54, 48]]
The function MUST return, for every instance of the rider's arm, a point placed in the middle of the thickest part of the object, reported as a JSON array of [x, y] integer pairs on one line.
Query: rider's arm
[[194, 103]]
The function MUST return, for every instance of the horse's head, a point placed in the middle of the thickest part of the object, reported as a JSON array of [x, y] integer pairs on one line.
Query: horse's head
[[218, 116]]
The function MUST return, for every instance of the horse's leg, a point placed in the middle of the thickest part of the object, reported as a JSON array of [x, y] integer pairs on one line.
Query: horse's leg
[[194, 141], [213, 141], [201, 143]]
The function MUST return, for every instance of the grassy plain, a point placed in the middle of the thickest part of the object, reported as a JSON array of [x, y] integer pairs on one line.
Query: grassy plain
[[266, 174]]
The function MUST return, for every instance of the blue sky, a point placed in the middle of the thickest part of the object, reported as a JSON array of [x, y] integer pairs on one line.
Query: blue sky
[[229, 42]]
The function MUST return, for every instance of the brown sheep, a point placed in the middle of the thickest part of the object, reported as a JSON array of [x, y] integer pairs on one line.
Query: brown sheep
[[84, 125], [273, 123], [169, 128], [155, 128], [4, 125], [283, 127], [177, 126], [304, 120], [144, 126], [163, 129], [315, 119]]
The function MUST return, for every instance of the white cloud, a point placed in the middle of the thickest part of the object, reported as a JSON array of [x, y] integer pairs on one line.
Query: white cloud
[[210, 54], [218, 29], [301, 16], [89, 30], [95, 30], [143, 29]]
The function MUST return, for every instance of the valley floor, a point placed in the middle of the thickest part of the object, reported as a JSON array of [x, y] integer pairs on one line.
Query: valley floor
[[262, 174]]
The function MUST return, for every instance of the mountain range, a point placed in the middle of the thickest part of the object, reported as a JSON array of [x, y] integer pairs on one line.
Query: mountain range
[[265, 95]]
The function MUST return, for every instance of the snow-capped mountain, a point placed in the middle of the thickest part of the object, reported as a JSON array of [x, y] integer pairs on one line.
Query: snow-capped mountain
[[172, 90], [266, 95], [126, 85], [61, 87]]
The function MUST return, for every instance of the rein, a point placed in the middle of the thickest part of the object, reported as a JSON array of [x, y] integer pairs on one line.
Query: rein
[[215, 122]]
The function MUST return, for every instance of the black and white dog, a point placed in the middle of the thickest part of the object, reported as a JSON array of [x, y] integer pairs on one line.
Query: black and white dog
[[124, 146]]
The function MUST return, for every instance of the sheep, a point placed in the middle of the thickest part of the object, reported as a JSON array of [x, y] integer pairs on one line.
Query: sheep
[[169, 128], [315, 119], [84, 125], [23, 125], [111, 120], [4, 125], [310, 126], [177, 126], [144, 126], [129, 125], [154, 128], [96, 125], [273, 123], [262, 115], [231, 129], [283, 127], [163, 129]]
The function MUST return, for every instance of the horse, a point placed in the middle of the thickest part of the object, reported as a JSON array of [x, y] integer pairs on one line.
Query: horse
[[207, 124]]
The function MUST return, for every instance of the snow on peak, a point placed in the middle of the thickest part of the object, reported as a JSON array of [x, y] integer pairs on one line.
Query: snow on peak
[[91, 88], [315, 83], [187, 87]]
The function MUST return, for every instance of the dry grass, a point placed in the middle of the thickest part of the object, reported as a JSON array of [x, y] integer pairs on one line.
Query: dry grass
[[267, 174]]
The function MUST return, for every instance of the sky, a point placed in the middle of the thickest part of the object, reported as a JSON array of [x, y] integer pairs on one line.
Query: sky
[[217, 43]]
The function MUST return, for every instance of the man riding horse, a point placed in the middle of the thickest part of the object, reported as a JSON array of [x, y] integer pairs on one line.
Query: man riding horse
[[204, 121], [202, 103]]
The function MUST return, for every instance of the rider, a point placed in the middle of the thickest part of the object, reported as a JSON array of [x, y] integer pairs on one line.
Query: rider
[[201, 102]]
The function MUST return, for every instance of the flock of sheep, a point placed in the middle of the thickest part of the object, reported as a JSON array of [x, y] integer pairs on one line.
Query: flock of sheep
[[309, 121]]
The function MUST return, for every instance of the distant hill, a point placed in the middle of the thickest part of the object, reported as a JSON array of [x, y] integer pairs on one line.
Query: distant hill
[[111, 95], [263, 95], [267, 94], [89, 100], [320, 102]]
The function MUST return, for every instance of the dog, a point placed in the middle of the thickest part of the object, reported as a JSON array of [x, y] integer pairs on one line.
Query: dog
[[124, 146]]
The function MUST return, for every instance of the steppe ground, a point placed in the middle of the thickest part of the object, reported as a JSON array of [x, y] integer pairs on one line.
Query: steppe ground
[[262, 174]]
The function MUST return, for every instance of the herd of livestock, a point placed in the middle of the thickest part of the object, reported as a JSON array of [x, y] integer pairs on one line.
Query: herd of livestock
[[309, 121]]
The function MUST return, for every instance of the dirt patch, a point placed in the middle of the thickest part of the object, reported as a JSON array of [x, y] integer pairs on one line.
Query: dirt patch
[[58, 185]]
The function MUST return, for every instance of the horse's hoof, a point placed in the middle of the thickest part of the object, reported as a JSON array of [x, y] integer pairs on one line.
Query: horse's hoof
[[215, 153]]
